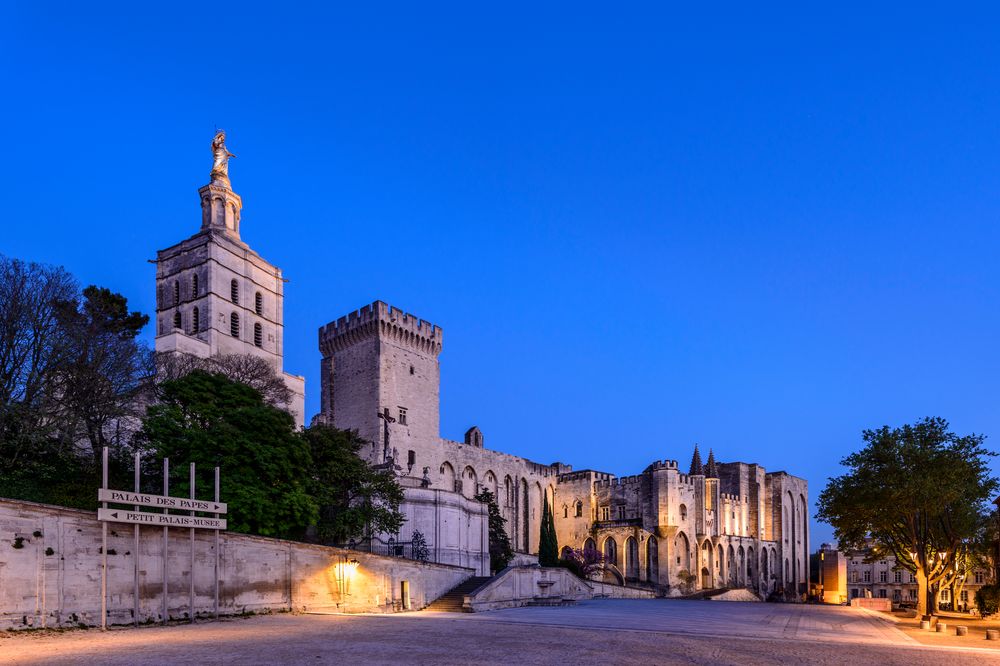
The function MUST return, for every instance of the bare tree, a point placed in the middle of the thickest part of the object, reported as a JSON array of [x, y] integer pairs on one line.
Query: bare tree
[[33, 345], [248, 369]]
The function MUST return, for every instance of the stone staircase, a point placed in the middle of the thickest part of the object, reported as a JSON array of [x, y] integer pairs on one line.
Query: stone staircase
[[451, 601]]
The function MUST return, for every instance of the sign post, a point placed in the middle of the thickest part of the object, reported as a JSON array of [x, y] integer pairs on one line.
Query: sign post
[[104, 546], [137, 517]]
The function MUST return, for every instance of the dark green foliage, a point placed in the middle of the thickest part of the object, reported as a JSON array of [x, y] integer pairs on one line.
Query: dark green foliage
[[920, 492], [211, 421], [353, 499], [500, 551], [548, 548], [582, 562], [988, 599]]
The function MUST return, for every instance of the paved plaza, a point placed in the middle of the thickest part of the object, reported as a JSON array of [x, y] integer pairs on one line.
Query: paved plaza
[[605, 631]]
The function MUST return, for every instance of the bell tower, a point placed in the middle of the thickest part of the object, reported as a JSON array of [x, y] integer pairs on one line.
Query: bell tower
[[215, 295]]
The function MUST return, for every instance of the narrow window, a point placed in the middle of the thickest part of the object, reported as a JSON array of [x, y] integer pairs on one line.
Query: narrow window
[[565, 511], [402, 415], [194, 286], [579, 509], [177, 292], [234, 325], [621, 513], [177, 320], [411, 369], [195, 321], [234, 291], [258, 303], [258, 335]]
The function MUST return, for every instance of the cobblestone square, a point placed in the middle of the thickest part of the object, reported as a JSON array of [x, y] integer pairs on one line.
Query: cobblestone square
[[602, 631]]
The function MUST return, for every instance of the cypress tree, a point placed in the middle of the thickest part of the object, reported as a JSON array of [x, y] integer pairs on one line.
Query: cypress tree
[[548, 547]]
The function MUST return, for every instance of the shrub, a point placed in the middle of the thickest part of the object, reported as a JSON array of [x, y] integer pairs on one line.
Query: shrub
[[988, 599]]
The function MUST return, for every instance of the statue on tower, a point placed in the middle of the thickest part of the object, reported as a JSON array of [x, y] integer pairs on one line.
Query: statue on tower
[[220, 166]]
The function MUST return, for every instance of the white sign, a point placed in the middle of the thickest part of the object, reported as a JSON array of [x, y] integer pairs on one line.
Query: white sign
[[159, 519], [158, 501]]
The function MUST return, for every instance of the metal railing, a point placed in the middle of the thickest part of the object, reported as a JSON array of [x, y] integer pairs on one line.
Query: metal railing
[[376, 546]]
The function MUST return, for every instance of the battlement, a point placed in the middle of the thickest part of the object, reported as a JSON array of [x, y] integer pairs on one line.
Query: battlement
[[613, 482], [383, 320], [662, 464], [730, 497], [584, 474]]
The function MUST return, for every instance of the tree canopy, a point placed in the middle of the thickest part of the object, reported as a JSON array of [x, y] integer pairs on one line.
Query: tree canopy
[[548, 547], [212, 421], [353, 498], [501, 552], [919, 492]]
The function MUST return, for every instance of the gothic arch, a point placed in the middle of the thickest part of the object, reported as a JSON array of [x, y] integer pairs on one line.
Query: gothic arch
[[447, 476], [731, 566], [751, 562], [682, 549], [652, 560], [490, 481], [741, 572], [631, 559], [508, 487], [469, 481], [610, 550], [590, 545]]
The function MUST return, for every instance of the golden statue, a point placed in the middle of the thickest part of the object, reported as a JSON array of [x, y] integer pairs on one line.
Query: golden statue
[[220, 167]]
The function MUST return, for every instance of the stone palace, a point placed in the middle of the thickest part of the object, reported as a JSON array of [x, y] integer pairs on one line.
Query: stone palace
[[718, 524]]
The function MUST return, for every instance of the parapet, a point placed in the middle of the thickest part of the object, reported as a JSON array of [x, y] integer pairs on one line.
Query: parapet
[[382, 320]]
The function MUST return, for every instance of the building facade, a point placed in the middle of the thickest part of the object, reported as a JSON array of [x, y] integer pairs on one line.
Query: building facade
[[720, 525], [882, 579]]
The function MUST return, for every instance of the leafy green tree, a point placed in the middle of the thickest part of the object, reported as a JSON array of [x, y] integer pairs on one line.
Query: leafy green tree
[[500, 551], [354, 499], [548, 547], [266, 466], [919, 492]]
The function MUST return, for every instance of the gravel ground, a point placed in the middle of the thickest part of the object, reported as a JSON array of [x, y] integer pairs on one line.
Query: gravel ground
[[581, 635]]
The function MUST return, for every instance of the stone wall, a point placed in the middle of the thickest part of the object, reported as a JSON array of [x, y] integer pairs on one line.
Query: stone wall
[[521, 586], [54, 578]]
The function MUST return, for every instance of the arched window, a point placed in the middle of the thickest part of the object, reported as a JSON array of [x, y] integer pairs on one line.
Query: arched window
[[177, 319], [611, 550], [579, 509], [258, 303], [195, 321], [194, 286], [234, 291], [684, 512], [565, 511], [177, 292], [258, 335], [589, 546], [234, 325]]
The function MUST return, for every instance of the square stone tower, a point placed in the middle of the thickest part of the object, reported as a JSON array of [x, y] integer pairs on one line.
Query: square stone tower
[[215, 296], [380, 360]]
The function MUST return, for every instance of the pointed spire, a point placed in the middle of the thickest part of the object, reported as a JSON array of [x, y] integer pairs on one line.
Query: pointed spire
[[711, 470], [696, 467]]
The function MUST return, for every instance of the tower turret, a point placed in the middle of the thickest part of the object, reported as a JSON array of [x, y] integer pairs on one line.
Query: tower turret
[[696, 466]]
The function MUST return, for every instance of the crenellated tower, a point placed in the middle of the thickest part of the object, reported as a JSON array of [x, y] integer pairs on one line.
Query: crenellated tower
[[380, 361]]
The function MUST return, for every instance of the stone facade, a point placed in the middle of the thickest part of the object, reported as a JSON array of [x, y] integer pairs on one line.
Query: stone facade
[[727, 525], [216, 296], [53, 578], [881, 579]]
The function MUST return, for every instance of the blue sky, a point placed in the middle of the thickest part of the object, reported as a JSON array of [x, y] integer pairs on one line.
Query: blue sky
[[763, 230]]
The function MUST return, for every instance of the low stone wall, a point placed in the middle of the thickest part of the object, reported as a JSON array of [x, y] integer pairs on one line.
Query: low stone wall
[[53, 578], [872, 603], [524, 585]]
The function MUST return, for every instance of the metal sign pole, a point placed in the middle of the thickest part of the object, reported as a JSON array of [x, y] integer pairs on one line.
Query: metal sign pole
[[166, 492], [216, 548], [104, 545], [135, 549], [192, 549]]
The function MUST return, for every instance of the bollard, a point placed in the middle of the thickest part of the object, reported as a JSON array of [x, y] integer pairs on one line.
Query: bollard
[[961, 631], [993, 634], [942, 627], [925, 624]]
